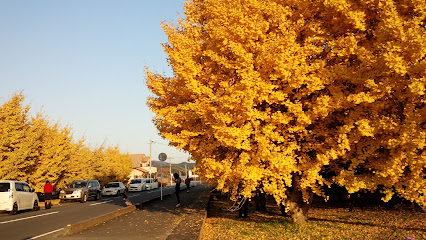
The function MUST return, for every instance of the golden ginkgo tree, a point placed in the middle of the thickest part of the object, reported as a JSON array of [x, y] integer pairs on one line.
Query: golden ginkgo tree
[[291, 96]]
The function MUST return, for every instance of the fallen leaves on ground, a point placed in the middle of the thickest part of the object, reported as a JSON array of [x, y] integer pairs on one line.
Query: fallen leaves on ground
[[331, 223]]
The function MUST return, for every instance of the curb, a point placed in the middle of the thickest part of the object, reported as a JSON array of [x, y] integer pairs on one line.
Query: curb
[[83, 225], [204, 219]]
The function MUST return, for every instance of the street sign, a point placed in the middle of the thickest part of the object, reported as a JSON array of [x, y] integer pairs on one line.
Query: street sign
[[162, 157]]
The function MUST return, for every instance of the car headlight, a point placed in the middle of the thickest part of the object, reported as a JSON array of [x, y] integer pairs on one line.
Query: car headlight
[[62, 191], [77, 191]]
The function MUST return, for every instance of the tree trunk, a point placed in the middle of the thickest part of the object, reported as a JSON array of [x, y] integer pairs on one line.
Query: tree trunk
[[260, 200], [298, 209]]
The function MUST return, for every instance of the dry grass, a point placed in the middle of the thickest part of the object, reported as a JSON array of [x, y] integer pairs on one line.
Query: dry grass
[[330, 223]]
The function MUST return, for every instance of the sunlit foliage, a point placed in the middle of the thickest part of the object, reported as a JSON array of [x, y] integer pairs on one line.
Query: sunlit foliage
[[34, 149], [299, 93]]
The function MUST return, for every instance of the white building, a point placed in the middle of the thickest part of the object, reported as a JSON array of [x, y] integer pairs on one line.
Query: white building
[[140, 164]]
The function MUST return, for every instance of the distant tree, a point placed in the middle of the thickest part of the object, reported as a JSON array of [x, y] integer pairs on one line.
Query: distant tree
[[18, 141], [55, 148], [114, 166], [294, 95]]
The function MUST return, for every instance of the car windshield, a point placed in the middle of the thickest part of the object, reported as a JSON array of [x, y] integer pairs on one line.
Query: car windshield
[[135, 181], [77, 184], [111, 185], [4, 187]]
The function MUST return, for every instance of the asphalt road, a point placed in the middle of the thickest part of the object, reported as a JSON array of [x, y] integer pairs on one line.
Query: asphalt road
[[40, 224], [156, 220]]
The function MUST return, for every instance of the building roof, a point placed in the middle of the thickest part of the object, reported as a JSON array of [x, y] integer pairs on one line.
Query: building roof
[[138, 159], [141, 170]]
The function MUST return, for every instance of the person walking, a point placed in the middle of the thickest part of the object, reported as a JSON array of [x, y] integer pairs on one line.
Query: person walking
[[177, 188], [126, 200], [48, 190], [243, 207], [188, 183], [354, 199]]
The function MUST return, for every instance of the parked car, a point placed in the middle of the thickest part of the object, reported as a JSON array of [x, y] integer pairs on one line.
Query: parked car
[[113, 188], [81, 190], [137, 184], [150, 183], [40, 195], [16, 196]]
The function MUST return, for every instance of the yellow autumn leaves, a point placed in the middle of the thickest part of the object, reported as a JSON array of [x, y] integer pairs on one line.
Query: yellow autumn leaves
[[326, 91], [34, 149]]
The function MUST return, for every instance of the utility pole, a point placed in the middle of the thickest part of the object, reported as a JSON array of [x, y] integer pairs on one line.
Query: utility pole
[[170, 162], [150, 158]]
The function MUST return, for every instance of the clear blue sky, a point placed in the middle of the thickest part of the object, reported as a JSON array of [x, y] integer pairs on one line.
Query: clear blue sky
[[81, 62]]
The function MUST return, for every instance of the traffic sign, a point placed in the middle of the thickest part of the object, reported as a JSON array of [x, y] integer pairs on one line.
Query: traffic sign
[[162, 157]]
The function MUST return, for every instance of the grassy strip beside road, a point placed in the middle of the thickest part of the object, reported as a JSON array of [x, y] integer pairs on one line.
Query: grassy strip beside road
[[331, 223]]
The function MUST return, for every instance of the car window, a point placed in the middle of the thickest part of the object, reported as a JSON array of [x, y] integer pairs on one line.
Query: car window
[[78, 184], [26, 187], [112, 185], [135, 181], [4, 187], [19, 187]]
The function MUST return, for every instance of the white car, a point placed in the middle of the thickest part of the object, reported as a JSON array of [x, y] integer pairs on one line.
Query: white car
[[16, 196], [113, 188], [150, 183], [137, 184]]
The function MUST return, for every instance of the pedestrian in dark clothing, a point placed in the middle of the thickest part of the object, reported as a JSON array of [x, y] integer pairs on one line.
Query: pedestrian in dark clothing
[[354, 199], [243, 210], [177, 187], [48, 190], [188, 184], [282, 209], [126, 201]]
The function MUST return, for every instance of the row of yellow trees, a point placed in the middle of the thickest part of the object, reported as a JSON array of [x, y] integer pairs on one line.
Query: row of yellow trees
[[35, 149]]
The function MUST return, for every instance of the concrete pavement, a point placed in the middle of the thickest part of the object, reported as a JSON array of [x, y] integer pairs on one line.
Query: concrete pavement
[[156, 219]]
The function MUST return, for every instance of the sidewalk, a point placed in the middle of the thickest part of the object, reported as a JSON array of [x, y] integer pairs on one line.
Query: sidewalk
[[157, 219]]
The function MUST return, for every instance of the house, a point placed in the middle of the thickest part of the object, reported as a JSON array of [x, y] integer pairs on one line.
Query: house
[[141, 168]]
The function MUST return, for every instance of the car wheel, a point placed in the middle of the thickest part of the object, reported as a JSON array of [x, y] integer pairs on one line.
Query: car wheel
[[36, 207], [98, 196], [118, 193], [14, 209], [84, 198]]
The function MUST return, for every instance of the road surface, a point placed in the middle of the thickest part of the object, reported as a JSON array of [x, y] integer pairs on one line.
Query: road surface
[[40, 224]]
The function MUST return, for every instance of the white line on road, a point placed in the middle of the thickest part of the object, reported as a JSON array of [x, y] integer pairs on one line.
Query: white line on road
[[19, 219], [44, 234], [136, 195], [100, 202]]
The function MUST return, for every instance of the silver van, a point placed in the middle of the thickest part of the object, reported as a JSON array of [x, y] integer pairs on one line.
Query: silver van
[[81, 190]]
